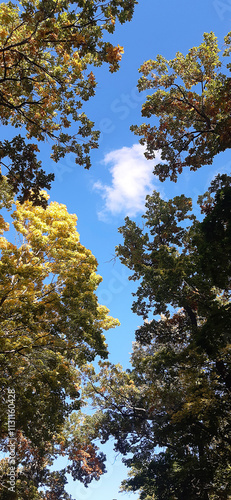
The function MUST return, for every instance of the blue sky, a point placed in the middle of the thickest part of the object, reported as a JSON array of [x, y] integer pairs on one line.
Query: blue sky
[[120, 177]]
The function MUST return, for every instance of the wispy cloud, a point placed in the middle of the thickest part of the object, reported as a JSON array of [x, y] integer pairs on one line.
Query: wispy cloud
[[132, 179]]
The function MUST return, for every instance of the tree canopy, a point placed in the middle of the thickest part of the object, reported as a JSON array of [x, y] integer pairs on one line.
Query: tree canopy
[[171, 410], [50, 325], [48, 50], [169, 414], [191, 100]]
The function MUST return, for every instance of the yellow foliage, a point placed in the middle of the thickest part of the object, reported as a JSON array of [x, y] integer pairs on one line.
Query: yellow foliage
[[49, 282]]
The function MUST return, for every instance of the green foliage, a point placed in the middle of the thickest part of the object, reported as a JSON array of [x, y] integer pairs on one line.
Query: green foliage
[[171, 411], [214, 239], [24, 173]]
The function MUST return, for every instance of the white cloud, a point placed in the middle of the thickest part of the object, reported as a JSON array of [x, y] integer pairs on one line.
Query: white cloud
[[132, 179]]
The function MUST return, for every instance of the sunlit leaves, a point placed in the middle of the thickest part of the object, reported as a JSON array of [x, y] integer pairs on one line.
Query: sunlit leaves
[[47, 52], [191, 100], [50, 325]]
